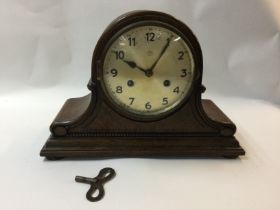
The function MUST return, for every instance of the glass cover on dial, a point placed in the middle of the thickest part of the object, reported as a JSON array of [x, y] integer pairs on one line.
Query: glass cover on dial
[[148, 70]]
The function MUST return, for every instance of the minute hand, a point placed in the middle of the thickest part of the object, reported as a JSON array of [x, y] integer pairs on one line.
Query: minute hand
[[161, 53]]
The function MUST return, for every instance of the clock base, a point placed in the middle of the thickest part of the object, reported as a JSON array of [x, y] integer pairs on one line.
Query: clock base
[[104, 147], [174, 144]]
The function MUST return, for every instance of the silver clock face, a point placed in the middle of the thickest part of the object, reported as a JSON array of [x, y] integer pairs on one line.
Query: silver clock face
[[148, 70]]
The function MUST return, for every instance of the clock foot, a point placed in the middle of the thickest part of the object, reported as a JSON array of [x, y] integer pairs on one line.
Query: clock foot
[[231, 156], [112, 147], [54, 158]]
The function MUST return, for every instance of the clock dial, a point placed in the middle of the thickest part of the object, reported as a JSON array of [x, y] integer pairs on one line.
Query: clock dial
[[148, 70]]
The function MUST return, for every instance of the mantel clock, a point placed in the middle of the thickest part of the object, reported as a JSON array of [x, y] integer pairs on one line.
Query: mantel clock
[[145, 98]]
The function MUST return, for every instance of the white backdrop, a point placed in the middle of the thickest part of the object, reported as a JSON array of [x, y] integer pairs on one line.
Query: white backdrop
[[45, 57], [45, 43]]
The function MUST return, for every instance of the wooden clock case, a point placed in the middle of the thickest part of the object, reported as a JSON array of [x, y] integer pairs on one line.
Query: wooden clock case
[[91, 126]]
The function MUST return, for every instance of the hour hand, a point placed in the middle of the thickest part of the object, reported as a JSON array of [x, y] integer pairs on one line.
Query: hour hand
[[133, 65]]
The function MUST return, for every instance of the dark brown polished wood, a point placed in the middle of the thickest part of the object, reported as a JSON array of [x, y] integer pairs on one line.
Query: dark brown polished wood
[[106, 138], [91, 126]]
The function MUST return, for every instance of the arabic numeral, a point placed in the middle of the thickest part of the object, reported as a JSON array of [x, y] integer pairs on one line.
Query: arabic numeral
[[119, 89], [114, 72], [132, 41], [181, 55], [131, 100], [119, 54], [148, 106], [150, 36], [184, 72], [165, 101], [176, 90]]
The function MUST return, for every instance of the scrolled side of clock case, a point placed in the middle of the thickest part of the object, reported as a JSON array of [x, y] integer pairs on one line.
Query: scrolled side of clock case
[[91, 127]]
